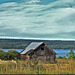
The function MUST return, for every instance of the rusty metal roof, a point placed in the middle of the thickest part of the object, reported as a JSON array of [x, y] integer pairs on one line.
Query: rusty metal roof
[[32, 46]]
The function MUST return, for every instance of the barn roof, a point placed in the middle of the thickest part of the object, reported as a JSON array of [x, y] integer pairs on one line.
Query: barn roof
[[31, 46]]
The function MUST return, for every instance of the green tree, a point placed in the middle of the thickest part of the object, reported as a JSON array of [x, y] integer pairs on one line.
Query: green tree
[[13, 54], [60, 57], [71, 55], [2, 55], [64, 57]]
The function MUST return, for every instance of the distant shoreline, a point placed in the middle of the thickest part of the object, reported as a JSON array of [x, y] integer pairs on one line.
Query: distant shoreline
[[22, 43], [23, 48]]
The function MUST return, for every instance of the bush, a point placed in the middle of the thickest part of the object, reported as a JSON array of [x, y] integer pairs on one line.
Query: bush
[[10, 55], [60, 57], [64, 57], [2, 54], [71, 55], [13, 54]]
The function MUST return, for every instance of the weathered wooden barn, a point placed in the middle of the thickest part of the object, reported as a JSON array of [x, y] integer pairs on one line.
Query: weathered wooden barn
[[38, 51]]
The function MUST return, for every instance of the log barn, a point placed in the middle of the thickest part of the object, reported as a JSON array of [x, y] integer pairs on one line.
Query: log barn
[[38, 51]]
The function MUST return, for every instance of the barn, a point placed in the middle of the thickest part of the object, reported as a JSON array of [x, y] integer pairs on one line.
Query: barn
[[38, 51]]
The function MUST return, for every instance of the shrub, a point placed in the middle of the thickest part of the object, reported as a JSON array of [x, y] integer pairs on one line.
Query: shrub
[[60, 57], [71, 55], [64, 57], [10, 55]]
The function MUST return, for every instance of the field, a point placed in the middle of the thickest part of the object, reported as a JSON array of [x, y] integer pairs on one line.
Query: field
[[62, 66]]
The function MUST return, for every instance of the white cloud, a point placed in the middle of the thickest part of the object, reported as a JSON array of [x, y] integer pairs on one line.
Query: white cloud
[[33, 1], [31, 19], [10, 4]]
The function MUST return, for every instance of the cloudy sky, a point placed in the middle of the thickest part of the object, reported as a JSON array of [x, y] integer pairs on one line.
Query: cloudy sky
[[37, 19]]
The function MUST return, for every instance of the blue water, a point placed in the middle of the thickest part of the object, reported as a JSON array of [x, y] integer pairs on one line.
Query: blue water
[[62, 52], [19, 50], [58, 51]]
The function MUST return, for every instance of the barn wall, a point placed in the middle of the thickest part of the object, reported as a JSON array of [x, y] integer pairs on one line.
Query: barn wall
[[49, 54], [44, 55]]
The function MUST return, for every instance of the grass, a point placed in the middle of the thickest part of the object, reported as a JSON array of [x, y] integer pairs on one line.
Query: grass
[[62, 66]]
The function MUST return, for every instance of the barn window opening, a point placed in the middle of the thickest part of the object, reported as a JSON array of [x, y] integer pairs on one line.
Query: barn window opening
[[32, 53], [42, 48]]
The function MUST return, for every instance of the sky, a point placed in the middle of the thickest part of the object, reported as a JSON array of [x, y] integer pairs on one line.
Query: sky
[[37, 19]]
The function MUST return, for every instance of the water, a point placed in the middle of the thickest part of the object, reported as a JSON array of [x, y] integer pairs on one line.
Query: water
[[62, 52], [58, 51], [19, 50]]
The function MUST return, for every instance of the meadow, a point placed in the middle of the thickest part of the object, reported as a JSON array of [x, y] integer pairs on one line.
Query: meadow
[[61, 66]]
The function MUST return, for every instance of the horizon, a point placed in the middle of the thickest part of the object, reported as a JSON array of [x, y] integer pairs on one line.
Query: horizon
[[37, 19], [38, 39]]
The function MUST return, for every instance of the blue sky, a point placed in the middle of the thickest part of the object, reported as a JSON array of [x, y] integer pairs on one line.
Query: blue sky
[[37, 19]]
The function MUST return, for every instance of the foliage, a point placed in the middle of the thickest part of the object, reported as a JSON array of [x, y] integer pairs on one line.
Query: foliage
[[10, 55], [71, 55], [60, 57], [2, 54], [64, 57], [12, 43], [22, 43]]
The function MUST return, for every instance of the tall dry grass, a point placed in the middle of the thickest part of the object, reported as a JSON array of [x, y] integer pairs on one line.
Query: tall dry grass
[[62, 66]]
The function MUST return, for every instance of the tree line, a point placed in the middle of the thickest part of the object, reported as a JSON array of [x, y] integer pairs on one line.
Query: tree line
[[22, 43]]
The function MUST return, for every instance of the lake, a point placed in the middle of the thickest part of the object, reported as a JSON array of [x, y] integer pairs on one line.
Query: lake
[[59, 52]]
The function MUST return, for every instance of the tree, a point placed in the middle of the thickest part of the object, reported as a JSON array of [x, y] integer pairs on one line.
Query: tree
[[13, 54], [64, 57], [71, 55], [2, 55], [60, 57]]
